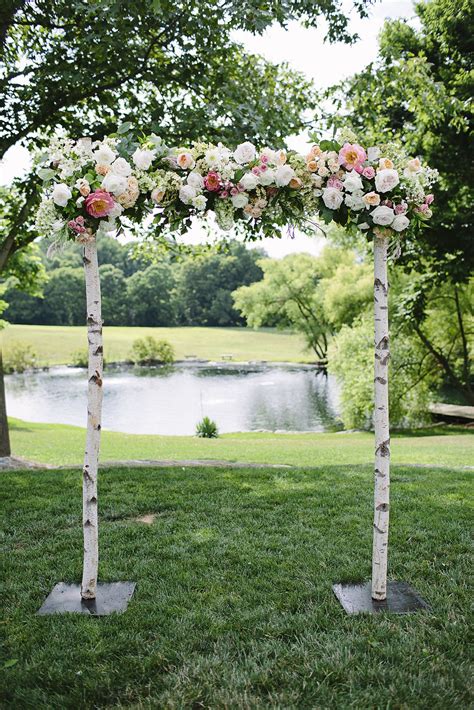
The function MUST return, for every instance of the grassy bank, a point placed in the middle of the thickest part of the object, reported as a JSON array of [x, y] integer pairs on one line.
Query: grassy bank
[[62, 444], [54, 345], [233, 606]]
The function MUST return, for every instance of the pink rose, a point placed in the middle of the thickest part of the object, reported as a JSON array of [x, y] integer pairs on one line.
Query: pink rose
[[401, 208], [234, 191], [223, 194], [256, 170], [422, 208], [99, 203], [77, 225], [429, 199], [351, 156], [212, 181], [368, 172], [335, 182]]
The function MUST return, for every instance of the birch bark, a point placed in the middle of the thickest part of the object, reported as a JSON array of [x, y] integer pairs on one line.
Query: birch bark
[[381, 421], [94, 413]]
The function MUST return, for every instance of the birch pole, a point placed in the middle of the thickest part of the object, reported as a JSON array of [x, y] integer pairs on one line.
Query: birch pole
[[94, 413], [381, 420]]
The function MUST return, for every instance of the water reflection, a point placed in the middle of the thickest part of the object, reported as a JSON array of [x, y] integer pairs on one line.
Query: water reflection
[[170, 400]]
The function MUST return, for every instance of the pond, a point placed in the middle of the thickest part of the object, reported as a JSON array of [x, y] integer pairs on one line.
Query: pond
[[171, 400]]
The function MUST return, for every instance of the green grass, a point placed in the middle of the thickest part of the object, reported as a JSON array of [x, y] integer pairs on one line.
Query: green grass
[[54, 345], [233, 606], [62, 444]]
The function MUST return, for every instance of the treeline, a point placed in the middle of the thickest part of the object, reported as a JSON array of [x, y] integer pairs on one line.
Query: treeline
[[194, 290]]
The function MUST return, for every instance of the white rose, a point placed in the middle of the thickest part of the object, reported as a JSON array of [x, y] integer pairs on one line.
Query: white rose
[[244, 153], [400, 223], [249, 181], [269, 154], [61, 194], [116, 184], [332, 198], [317, 180], [187, 194], [196, 180], [79, 201], [280, 157], [212, 156], [355, 201], [284, 174], [383, 215], [200, 202], [104, 154], [386, 180], [121, 167], [185, 160], [240, 200], [373, 154], [143, 158], [267, 177], [353, 181], [364, 225], [116, 211]]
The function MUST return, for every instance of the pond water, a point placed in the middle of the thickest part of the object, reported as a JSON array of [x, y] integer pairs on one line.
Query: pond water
[[171, 400]]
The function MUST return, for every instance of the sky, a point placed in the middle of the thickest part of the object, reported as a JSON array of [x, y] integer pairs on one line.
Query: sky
[[305, 51]]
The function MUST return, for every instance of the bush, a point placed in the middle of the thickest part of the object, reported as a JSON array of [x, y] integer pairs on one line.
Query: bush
[[148, 350], [18, 358], [351, 360], [207, 429], [80, 358]]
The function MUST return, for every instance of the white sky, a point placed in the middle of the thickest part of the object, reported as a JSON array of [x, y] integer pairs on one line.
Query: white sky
[[306, 51]]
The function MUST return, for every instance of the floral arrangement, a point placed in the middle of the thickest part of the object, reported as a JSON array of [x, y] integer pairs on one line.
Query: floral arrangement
[[91, 187]]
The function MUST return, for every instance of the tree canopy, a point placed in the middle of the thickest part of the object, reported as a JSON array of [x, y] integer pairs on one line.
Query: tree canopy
[[418, 92]]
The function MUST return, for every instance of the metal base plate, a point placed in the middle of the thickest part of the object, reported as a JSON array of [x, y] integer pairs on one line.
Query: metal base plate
[[357, 598], [66, 598]]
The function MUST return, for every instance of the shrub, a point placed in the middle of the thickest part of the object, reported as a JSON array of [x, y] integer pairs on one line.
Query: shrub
[[149, 350], [351, 358], [207, 429], [80, 358], [18, 358]]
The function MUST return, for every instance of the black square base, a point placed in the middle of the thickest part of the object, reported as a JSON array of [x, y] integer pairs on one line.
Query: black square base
[[357, 598], [66, 598]]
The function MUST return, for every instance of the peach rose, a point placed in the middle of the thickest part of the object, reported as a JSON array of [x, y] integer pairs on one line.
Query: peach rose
[[99, 203], [371, 199]]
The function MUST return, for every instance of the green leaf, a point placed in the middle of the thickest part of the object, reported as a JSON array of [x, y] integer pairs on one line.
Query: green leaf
[[46, 174], [124, 127]]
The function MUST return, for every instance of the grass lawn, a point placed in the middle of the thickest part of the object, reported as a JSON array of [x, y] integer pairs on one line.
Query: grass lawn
[[63, 444], [54, 345], [233, 607]]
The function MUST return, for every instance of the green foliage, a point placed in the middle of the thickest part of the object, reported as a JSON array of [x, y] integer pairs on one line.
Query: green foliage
[[151, 296], [291, 294], [62, 67], [80, 358], [207, 429], [350, 359], [19, 357], [420, 89], [149, 350], [206, 282]]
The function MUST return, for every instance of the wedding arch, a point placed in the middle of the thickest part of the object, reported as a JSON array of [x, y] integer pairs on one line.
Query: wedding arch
[[90, 188]]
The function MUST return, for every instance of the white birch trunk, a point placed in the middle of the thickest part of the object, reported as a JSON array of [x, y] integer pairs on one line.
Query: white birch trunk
[[381, 421], [94, 413]]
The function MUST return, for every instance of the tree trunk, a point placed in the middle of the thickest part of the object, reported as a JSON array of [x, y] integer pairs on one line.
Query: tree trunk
[[4, 435], [94, 412], [381, 421]]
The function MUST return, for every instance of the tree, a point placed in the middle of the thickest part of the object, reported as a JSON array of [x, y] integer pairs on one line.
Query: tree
[[290, 296], [64, 297], [420, 89], [175, 69], [150, 296], [114, 294], [205, 285]]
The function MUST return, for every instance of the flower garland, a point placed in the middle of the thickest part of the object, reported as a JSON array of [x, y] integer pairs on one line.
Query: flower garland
[[99, 187]]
